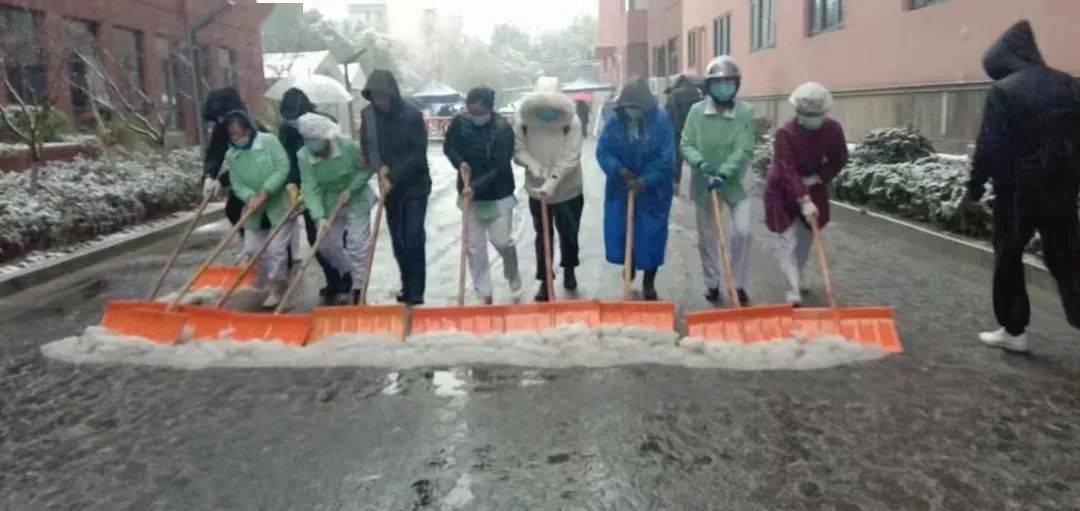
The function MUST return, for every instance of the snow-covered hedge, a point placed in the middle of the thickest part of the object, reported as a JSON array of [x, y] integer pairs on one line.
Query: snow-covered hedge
[[892, 145], [928, 190], [83, 199]]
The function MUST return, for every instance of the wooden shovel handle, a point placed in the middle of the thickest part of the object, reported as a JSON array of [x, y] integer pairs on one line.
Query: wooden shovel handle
[[291, 217], [371, 247], [823, 260], [628, 252], [248, 211], [343, 199], [549, 275], [179, 247], [721, 241], [465, 210]]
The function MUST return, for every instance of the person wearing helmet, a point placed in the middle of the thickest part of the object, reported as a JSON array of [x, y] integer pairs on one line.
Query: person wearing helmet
[[718, 143], [810, 151], [636, 151], [329, 166]]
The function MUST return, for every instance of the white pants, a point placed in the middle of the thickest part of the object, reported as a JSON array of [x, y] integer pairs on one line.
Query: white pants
[[274, 261], [346, 245], [498, 231], [737, 228], [792, 252]]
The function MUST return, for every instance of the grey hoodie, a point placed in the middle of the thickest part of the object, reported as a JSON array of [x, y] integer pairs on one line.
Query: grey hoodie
[[549, 151]]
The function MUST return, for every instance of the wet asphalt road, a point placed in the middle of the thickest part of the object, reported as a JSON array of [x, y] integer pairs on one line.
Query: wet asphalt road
[[947, 425]]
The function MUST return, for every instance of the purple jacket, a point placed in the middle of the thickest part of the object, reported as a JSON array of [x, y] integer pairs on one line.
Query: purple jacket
[[801, 154]]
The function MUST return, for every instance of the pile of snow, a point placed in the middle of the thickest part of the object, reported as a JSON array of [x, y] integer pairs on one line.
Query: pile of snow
[[83, 199], [564, 347]]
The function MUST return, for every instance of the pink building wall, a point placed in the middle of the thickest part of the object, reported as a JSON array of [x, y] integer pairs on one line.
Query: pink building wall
[[622, 42], [665, 22], [884, 44]]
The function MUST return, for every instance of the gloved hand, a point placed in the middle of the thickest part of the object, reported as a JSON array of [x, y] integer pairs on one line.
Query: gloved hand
[[547, 189], [211, 187], [536, 172], [809, 210], [384, 181], [811, 180], [467, 192], [717, 182], [293, 192], [258, 199], [627, 176], [707, 168]]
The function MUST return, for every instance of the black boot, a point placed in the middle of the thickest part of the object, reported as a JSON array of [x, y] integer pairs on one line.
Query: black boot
[[356, 297], [744, 299], [400, 297], [569, 281], [713, 295], [542, 295], [648, 288]]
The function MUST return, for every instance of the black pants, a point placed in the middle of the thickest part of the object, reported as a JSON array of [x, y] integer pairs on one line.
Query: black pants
[[234, 208], [564, 217], [1013, 231], [678, 158], [405, 216]]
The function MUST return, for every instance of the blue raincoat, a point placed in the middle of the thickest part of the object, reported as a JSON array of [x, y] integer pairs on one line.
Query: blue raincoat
[[651, 156]]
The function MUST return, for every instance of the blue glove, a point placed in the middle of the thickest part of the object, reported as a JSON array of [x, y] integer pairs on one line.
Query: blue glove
[[707, 168], [717, 183]]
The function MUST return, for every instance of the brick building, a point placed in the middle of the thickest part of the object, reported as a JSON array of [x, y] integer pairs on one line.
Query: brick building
[[140, 45], [889, 62]]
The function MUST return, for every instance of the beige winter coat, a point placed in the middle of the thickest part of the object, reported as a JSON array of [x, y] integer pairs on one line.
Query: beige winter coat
[[549, 151]]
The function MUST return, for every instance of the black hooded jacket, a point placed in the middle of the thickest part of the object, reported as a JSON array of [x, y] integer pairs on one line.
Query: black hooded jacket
[[400, 136], [681, 97], [488, 149], [1027, 141], [218, 103]]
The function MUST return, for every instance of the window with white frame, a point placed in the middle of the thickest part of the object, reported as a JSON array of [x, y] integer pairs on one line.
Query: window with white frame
[[722, 35], [762, 24], [826, 15]]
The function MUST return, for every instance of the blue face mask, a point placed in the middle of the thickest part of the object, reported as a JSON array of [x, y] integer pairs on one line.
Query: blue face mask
[[811, 123], [243, 143], [547, 114], [316, 146], [722, 91], [478, 120]]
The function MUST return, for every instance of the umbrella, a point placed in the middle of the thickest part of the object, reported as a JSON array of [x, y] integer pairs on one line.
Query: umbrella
[[435, 92], [321, 90], [583, 85], [583, 97]]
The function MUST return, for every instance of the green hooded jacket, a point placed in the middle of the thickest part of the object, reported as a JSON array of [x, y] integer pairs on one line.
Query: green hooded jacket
[[725, 140], [263, 166], [323, 179]]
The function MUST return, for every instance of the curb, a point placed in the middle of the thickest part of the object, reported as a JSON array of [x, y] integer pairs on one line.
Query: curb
[[980, 255], [39, 274]]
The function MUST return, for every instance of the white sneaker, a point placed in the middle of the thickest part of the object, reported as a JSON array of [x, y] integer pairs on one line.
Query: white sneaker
[[515, 283], [1004, 340], [277, 292]]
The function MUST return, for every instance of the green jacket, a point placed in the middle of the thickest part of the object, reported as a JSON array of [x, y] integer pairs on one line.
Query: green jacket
[[724, 140], [263, 166], [323, 179]]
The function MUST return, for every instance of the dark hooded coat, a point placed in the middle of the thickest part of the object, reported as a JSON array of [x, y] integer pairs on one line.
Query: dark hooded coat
[[1027, 144], [218, 103], [681, 97], [399, 137]]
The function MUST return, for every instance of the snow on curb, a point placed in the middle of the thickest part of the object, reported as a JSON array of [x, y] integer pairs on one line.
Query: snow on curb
[[564, 347]]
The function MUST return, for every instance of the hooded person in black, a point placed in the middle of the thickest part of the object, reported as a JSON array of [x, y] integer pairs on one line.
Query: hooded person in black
[[1028, 148], [394, 140], [295, 103], [218, 103], [681, 97]]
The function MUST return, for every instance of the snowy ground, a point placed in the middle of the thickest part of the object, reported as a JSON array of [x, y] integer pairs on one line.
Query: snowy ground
[[946, 425]]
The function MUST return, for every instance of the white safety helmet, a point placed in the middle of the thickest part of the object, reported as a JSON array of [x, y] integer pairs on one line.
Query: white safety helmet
[[811, 98], [313, 126], [722, 67]]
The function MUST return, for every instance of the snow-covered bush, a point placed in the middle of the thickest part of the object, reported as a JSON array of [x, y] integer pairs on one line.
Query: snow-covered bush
[[762, 159], [82, 199], [930, 189], [892, 145]]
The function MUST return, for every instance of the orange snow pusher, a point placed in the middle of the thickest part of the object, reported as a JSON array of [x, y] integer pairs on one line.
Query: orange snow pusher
[[738, 324], [158, 322], [657, 315], [874, 326], [362, 319]]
